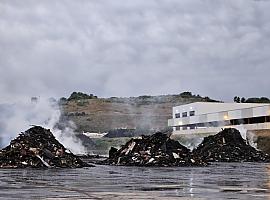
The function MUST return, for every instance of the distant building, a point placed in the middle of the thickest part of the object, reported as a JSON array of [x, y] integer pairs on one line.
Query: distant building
[[206, 117], [94, 135]]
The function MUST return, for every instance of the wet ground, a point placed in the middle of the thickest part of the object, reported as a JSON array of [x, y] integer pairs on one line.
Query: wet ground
[[218, 181]]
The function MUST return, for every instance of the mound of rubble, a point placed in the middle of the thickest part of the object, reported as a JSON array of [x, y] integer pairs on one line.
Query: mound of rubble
[[155, 150], [38, 148], [228, 146]]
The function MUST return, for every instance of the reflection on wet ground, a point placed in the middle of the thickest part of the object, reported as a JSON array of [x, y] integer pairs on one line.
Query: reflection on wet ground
[[218, 181]]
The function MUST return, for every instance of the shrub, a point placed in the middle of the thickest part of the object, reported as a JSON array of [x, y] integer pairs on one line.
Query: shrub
[[80, 96]]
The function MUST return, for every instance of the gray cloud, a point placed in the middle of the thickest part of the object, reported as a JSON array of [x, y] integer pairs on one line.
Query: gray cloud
[[128, 48]]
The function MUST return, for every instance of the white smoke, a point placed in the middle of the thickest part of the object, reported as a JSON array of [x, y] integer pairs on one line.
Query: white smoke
[[249, 136], [243, 132], [252, 138], [194, 142], [189, 141], [18, 117]]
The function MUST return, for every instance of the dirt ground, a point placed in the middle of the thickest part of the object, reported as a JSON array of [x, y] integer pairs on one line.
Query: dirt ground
[[263, 140]]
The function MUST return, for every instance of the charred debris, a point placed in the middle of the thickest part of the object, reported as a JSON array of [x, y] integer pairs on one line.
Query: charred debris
[[159, 150], [38, 148], [155, 150], [229, 146]]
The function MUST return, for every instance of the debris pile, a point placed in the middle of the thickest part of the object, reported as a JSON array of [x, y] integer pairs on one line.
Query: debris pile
[[155, 150], [228, 146], [37, 148]]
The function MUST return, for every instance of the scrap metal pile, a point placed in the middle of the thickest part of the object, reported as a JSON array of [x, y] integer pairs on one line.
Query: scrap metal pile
[[229, 146], [155, 150], [38, 148]]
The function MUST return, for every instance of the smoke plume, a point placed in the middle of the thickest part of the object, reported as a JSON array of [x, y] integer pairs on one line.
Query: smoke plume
[[249, 136], [18, 117]]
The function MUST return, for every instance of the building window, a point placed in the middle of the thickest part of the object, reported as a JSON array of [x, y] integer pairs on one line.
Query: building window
[[192, 126], [177, 128], [184, 114], [177, 115], [191, 113]]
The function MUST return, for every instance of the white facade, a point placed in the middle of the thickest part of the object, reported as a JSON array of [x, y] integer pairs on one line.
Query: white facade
[[206, 117]]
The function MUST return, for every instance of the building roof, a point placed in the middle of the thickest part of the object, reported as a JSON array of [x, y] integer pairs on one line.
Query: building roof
[[210, 107]]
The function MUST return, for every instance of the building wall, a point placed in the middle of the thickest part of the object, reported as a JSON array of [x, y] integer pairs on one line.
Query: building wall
[[209, 107], [257, 128], [219, 114]]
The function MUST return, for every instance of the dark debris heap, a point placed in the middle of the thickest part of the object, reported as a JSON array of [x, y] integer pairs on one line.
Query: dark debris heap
[[155, 150], [38, 148], [228, 146]]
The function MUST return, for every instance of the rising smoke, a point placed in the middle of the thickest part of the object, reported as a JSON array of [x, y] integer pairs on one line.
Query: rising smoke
[[249, 136], [146, 112], [18, 117]]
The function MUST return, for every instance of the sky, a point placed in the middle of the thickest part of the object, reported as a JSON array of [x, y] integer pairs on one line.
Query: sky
[[215, 48]]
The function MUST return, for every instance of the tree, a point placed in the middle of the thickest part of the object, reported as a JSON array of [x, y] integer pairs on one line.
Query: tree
[[243, 100], [258, 100], [80, 96], [264, 100], [236, 99], [63, 99], [186, 94]]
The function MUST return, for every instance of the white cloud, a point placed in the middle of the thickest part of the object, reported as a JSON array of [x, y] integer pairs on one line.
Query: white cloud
[[125, 47]]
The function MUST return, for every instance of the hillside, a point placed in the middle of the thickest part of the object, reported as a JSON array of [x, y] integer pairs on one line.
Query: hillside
[[104, 114]]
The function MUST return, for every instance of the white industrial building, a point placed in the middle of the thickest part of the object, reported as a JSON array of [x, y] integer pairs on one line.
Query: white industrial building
[[208, 117]]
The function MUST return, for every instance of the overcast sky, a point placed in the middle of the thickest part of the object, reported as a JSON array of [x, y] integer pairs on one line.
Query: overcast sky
[[216, 48]]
